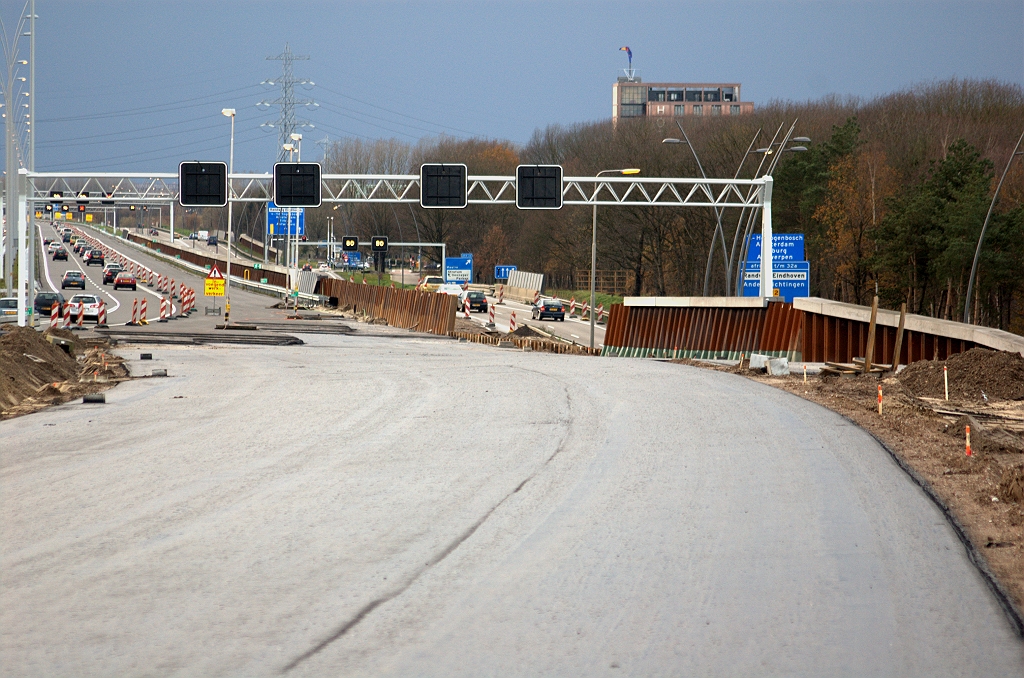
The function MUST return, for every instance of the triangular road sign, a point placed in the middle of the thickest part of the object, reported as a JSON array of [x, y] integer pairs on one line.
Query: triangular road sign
[[214, 273]]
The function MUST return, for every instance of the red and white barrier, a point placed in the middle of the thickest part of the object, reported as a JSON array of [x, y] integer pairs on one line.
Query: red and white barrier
[[101, 318], [585, 310], [465, 306], [600, 313], [81, 314], [512, 323], [163, 310], [135, 312], [501, 294], [142, 313], [536, 297], [572, 307], [490, 315], [67, 316], [173, 290], [54, 316]]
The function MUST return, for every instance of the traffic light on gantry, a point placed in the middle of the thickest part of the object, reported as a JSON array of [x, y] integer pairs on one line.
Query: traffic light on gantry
[[202, 184], [539, 187], [443, 186], [297, 184]]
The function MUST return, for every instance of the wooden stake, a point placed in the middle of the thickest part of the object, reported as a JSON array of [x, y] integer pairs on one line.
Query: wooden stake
[[869, 350], [899, 337]]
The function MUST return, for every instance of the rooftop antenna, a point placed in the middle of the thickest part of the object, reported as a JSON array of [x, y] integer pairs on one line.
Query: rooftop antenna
[[630, 73]]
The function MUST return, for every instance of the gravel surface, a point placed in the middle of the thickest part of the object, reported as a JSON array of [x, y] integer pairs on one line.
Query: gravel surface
[[397, 505]]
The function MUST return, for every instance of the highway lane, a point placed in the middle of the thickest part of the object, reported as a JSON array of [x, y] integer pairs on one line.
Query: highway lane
[[402, 505], [246, 306], [572, 328]]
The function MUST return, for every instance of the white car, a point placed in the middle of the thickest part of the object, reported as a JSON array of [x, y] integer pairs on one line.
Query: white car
[[450, 288], [8, 307], [324, 268], [89, 303]]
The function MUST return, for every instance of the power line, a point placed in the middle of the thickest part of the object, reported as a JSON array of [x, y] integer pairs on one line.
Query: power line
[[404, 115], [155, 108]]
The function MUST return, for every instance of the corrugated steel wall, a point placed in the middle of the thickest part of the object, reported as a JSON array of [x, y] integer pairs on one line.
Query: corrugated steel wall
[[408, 309], [776, 330]]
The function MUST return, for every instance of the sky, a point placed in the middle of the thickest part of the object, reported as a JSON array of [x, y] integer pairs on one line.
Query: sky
[[138, 86]]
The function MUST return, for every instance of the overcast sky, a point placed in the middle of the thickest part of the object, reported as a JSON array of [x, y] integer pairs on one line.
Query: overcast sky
[[139, 85]]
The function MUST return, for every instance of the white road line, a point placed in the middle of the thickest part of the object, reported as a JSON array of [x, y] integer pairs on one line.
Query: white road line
[[46, 260]]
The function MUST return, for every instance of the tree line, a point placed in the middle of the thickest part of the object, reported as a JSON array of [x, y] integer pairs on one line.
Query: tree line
[[891, 194]]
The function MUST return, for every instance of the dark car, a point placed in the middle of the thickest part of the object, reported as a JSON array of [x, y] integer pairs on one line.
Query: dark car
[[110, 272], [477, 301], [60, 254], [212, 240], [66, 237], [45, 301], [94, 257], [124, 279], [81, 248], [551, 308], [73, 279]]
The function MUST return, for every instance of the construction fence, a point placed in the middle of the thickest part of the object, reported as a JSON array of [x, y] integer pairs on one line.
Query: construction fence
[[407, 309]]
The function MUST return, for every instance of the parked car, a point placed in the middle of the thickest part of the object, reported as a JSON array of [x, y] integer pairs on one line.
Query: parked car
[[60, 254], [110, 272], [73, 279], [125, 279], [477, 301], [88, 304], [8, 307], [94, 257], [45, 301], [552, 308]]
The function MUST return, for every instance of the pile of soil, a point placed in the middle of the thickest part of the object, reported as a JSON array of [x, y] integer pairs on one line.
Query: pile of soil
[[35, 373], [528, 332], [973, 376]]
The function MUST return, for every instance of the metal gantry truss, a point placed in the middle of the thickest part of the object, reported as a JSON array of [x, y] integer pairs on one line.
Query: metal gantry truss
[[130, 188], [121, 189]]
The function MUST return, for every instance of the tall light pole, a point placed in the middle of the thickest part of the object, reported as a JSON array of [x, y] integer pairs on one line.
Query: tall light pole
[[981, 237], [297, 141], [593, 251], [229, 112]]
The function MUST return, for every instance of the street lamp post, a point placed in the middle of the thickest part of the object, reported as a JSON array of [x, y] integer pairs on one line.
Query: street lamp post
[[593, 251], [229, 112], [981, 237]]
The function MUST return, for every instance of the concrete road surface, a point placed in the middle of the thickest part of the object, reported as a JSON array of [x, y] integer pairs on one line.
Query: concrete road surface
[[402, 505]]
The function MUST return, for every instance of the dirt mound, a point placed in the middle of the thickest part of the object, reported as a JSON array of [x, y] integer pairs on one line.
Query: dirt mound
[[35, 373], [1011, 485], [999, 375], [527, 331]]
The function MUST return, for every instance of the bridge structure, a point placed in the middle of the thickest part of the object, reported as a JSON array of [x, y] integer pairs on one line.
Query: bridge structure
[[114, 189]]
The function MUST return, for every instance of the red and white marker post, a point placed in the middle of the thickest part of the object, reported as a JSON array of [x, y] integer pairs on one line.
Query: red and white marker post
[[81, 314], [465, 306], [135, 312], [54, 316], [572, 307], [67, 316], [490, 315], [101, 319], [142, 314], [536, 297], [501, 294], [512, 323], [968, 441], [163, 310]]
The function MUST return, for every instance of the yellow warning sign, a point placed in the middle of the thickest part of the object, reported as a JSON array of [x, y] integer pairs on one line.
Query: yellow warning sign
[[88, 217], [214, 283]]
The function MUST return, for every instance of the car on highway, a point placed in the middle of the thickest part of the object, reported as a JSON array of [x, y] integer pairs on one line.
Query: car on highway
[[73, 279], [110, 272], [80, 248], [60, 254], [94, 257], [477, 301], [212, 240], [450, 288], [88, 304], [8, 307], [45, 301], [125, 279], [324, 268], [551, 308], [430, 283], [66, 237], [53, 247]]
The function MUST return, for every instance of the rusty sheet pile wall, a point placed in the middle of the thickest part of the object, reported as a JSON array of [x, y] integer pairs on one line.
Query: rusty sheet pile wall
[[408, 309], [813, 331], [193, 257], [702, 332]]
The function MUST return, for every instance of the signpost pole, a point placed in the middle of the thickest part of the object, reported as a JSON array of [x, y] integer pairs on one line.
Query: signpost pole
[[231, 168], [766, 240]]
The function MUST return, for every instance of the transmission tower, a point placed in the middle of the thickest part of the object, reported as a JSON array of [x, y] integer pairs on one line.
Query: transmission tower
[[287, 124]]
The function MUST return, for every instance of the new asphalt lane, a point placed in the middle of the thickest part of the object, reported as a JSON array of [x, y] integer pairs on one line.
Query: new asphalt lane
[[384, 503]]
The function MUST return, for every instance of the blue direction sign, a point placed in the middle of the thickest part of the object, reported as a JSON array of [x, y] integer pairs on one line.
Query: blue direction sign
[[501, 271], [351, 259], [285, 220], [458, 269], [785, 247], [791, 278]]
